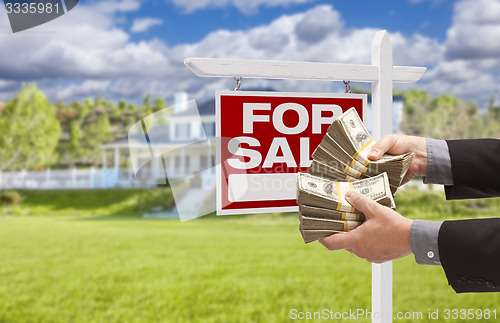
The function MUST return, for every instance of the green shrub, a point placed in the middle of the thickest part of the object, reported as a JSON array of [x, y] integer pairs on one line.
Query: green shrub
[[10, 197]]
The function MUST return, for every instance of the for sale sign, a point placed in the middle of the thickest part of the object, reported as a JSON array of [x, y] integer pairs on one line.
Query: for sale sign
[[265, 139]]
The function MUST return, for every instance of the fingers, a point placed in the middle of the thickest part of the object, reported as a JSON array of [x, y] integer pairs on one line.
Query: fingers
[[406, 179], [382, 146], [362, 203], [338, 241]]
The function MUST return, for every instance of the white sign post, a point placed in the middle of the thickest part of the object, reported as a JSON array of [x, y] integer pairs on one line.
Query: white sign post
[[381, 73]]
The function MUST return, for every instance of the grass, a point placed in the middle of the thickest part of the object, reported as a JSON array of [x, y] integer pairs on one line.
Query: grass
[[433, 206], [84, 268], [117, 202]]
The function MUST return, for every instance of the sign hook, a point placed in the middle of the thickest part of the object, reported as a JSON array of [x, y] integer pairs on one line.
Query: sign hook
[[238, 83], [347, 86]]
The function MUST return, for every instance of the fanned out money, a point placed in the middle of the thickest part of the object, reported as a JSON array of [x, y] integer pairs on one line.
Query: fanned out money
[[340, 164], [323, 209], [345, 147]]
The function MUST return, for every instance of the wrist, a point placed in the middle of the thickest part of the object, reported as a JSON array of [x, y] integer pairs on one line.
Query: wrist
[[420, 155], [405, 236]]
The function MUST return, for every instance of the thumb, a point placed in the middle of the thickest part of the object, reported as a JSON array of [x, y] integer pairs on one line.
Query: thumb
[[363, 203], [382, 146], [339, 241]]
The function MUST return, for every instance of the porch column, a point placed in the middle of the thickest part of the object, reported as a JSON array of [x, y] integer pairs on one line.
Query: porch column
[[104, 169], [154, 169], [104, 160], [117, 159]]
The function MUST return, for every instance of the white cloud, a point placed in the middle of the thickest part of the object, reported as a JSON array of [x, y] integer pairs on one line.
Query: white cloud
[[285, 39], [72, 63], [143, 24], [244, 6], [87, 88], [477, 12], [113, 65], [475, 32], [85, 43], [112, 6], [470, 66], [317, 24]]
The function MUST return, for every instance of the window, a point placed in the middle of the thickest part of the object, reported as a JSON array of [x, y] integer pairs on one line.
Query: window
[[177, 162], [209, 127], [182, 130], [203, 162]]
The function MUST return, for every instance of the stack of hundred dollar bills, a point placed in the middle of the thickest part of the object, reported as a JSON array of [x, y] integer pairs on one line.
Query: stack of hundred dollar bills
[[340, 164]]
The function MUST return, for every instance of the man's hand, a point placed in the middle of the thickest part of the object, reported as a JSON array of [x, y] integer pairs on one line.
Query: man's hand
[[384, 236], [401, 144]]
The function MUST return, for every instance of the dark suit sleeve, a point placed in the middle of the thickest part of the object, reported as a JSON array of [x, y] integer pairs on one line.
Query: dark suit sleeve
[[475, 166], [469, 250], [470, 254]]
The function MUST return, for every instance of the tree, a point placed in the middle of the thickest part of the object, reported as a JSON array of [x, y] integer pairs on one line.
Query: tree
[[146, 109], [94, 135], [122, 105], [103, 129], [81, 108], [29, 131], [444, 117], [89, 103], [492, 119], [159, 104], [416, 104], [98, 101], [75, 135]]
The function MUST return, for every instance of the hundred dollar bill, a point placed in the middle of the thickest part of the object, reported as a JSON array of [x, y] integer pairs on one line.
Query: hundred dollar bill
[[322, 213], [324, 193], [312, 223], [352, 135], [313, 235], [312, 228]]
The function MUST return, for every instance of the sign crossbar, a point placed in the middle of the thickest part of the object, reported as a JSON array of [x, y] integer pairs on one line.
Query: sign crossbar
[[222, 67]]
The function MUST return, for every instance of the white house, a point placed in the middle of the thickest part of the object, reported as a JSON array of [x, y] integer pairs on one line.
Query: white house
[[184, 138]]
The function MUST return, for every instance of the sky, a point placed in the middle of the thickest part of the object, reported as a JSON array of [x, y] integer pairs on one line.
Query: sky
[[126, 49]]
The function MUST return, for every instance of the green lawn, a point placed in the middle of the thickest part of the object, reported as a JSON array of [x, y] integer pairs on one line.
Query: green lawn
[[91, 202], [98, 268]]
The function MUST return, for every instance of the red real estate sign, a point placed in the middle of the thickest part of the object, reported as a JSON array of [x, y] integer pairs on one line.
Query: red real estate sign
[[265, 139]]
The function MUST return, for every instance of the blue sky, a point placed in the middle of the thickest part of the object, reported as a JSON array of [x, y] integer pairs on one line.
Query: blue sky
[[431, 18], [128, 48]]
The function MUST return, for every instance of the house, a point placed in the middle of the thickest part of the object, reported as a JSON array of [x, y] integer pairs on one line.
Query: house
[[178, 142]]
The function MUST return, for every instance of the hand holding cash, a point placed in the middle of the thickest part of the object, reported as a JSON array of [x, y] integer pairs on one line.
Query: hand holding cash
[[399, 144], [384, 236], [341, 164]]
